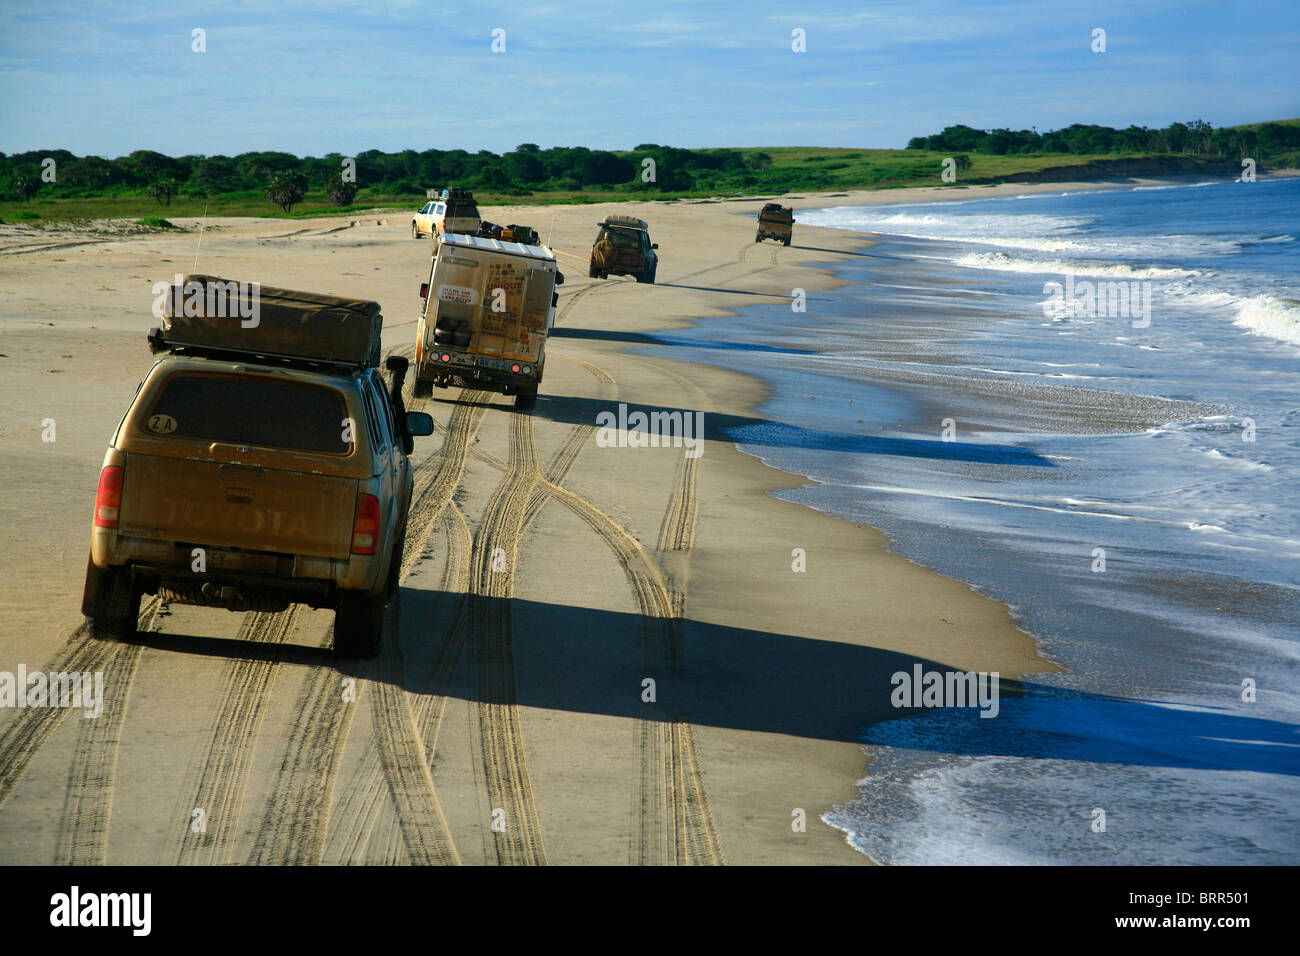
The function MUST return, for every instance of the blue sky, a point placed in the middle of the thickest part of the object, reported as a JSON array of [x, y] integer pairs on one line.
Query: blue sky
[[311, 78]]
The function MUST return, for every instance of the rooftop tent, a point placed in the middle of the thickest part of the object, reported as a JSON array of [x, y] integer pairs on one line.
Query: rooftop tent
[[206, 313]]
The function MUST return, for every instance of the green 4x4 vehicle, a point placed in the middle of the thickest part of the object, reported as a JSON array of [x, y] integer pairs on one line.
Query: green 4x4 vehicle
[[263, 462], [623, 247]]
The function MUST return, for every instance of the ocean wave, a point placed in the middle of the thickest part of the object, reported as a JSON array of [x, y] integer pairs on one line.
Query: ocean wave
[[1002, 262], [1275, 318], [1031, 232]]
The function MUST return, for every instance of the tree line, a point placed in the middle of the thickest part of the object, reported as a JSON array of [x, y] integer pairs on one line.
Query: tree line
[[281, 176], [1197, 138]]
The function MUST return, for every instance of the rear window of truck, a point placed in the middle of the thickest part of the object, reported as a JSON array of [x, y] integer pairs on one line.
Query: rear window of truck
[[292, 416]]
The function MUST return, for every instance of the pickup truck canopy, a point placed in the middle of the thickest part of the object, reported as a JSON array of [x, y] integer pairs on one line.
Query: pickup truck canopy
[[209, 314]]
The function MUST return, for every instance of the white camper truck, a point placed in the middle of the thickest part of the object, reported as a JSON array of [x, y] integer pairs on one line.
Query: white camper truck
[[488, 307]]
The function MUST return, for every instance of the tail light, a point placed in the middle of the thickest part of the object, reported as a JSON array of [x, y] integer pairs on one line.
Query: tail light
[[108, 499], [365, 526]]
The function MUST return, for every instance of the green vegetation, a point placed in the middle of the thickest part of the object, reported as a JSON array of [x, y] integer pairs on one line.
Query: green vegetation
[[1197, 138], [155, 222], [273, 183]]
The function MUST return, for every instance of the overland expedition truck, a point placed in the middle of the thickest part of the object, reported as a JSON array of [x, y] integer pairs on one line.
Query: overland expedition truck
[[488, 308], [775, 222], [263, 462]]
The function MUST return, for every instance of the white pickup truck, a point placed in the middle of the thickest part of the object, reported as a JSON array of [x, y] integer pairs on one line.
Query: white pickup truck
[[454, 211]]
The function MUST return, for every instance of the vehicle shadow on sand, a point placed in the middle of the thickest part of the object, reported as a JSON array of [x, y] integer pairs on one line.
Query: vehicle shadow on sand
[[590, 661], [750, 430]]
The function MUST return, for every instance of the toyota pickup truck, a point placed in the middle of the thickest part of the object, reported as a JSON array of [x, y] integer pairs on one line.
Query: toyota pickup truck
[[258, 465]]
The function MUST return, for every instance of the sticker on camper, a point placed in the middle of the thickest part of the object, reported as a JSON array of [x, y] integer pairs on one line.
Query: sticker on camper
[[457, 293], [162, 424]]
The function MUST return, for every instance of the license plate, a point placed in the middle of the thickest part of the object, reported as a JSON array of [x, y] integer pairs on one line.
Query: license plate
[[241, 561]]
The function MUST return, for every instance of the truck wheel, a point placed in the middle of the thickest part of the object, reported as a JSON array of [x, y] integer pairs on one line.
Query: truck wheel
[[111, 603], [358, 624], [758, 237], [592, 271], [650, 276], [526, 398], [786, 240], [421, 389], [395, 563]]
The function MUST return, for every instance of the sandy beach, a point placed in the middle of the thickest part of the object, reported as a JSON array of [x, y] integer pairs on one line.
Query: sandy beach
[[622, 563]]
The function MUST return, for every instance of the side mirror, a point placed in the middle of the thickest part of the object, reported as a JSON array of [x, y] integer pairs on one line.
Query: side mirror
[[397, 363], [419, 424], [654, 245], [559, 277], [424, 290]]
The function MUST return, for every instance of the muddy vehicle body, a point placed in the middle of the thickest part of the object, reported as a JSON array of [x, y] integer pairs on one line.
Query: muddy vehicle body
[[623, 247], [452, 211], [258, 467], [488, 307], [775, 222]]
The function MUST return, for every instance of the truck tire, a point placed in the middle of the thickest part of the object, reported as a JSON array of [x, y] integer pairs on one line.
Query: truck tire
[[395, 563], [111, 603], [786, 241], [592, 271], [526, 398], [758, 237], [421, 389], [358, 624]]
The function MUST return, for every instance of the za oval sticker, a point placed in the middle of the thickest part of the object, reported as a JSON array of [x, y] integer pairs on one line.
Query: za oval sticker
[[162, 424]]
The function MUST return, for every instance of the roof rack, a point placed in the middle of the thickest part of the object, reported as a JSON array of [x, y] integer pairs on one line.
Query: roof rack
[[628, 222], [206, 315]]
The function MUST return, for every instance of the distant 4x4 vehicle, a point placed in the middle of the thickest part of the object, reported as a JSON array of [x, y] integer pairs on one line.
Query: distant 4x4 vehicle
[[623, 247], [258, 466], [775, 222], [454, 211]]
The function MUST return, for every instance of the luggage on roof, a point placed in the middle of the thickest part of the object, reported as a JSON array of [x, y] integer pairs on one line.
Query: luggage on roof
[[628, 222], [209, 314]]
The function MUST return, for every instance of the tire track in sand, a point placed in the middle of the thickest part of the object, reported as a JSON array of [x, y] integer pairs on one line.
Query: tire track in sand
[[88, 803], [223, 778], [32, 726], [399, 759], [673, 823], [492, 568], [294, 823]]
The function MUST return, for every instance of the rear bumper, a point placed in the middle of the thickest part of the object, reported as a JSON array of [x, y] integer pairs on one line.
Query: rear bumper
[[304, 579], [468, 369]]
